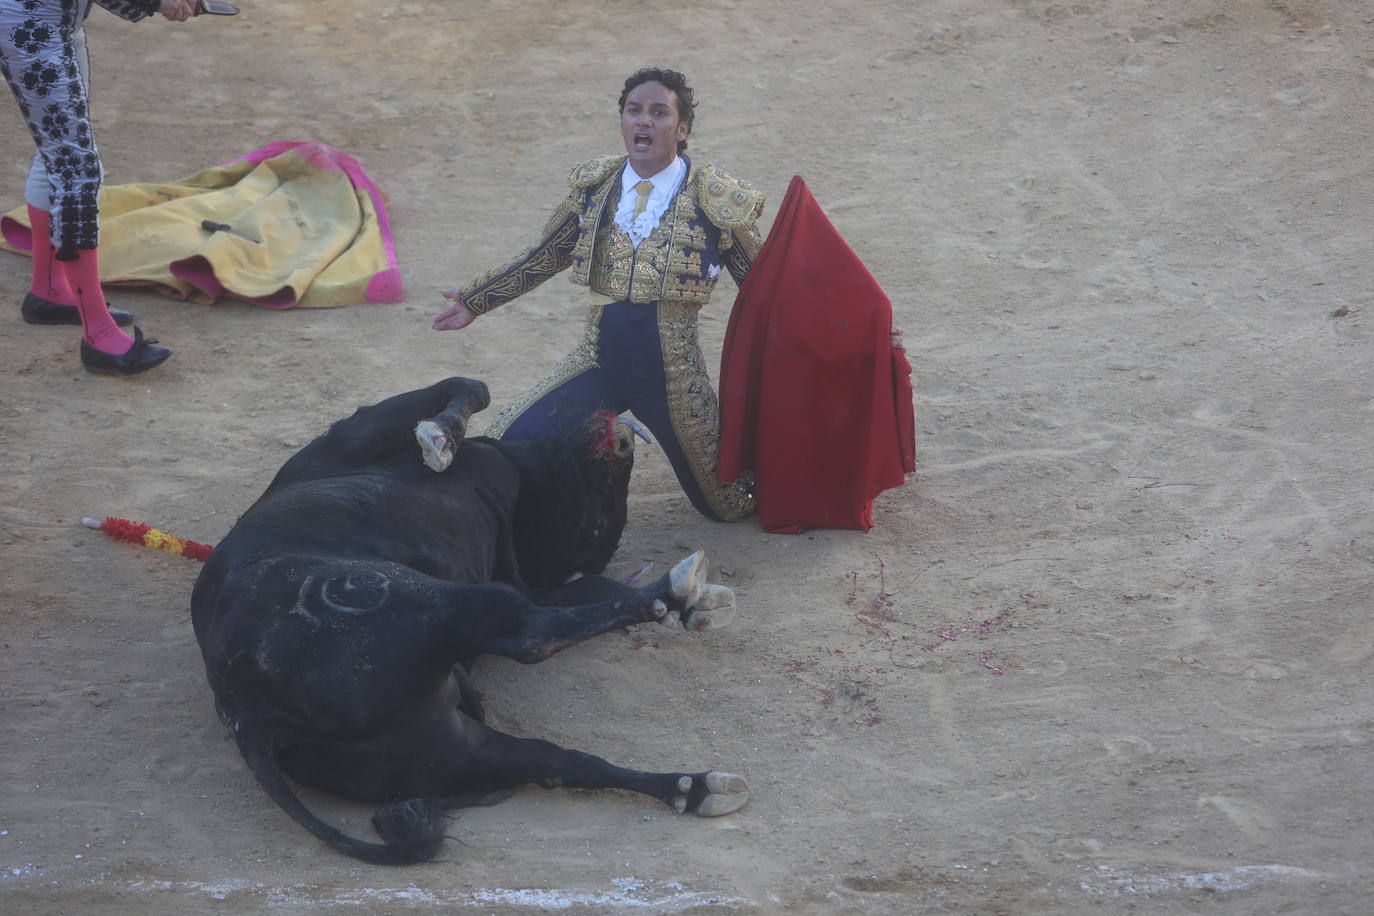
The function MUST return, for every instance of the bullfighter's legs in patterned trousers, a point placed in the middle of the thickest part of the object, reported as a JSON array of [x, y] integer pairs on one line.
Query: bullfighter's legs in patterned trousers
[[623, 366]]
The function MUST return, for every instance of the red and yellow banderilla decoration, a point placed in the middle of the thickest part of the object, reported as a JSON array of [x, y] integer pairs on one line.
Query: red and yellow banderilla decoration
[[124, 530]]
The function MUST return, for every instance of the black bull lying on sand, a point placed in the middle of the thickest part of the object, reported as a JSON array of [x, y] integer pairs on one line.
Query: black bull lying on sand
[[339, 614]]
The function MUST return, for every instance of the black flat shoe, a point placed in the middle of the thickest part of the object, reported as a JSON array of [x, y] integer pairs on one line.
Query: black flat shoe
[[141, 357], [37, 310]]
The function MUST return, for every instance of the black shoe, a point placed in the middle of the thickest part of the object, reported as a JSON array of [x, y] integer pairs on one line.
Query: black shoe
[[141, 357], [38, 310]]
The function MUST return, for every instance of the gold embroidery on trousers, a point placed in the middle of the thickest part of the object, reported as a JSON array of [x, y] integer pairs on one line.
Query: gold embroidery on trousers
[[695, 410], [581, 359]]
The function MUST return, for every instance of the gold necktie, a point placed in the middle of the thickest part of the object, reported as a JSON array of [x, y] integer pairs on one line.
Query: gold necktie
[[643, 189]]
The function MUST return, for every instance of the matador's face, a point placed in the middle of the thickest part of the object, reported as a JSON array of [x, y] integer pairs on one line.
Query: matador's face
[[650, 125]]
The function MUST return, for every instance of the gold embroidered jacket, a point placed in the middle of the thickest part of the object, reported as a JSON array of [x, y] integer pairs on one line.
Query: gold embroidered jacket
[[709, 224]]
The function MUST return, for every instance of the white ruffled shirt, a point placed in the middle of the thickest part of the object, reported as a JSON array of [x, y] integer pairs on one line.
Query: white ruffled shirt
[[665, 186]]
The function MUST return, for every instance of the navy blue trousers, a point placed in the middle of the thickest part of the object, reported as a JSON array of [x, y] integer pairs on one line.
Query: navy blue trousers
[[628, 375]]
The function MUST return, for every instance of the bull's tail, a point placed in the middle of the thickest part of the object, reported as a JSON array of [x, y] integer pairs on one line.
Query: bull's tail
[[412, 831]]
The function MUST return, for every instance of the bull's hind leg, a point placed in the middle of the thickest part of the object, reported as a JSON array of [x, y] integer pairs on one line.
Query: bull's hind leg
[[510, 761], [450, 760], [470, 701]]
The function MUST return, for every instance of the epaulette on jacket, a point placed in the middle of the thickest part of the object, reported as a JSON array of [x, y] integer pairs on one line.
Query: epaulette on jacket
[[594, 171], [728, 202]]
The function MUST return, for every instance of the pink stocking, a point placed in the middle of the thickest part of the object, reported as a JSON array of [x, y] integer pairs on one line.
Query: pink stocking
[[49, 280], [100, 330]]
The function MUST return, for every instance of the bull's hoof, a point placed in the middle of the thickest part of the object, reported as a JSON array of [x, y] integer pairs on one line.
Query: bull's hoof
[[698, 621], [711, 794], [714, 609], [436, 447], [688, 578]]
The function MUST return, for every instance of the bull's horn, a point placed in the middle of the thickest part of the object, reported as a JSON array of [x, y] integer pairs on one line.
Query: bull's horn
[[637, 427]]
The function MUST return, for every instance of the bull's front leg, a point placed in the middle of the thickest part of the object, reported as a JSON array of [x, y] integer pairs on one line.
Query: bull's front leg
[[374, 434], [530, 633], [712, 610], [440, 435]]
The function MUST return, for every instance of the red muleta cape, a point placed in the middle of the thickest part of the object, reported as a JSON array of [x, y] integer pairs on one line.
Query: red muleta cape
[[814, 398]]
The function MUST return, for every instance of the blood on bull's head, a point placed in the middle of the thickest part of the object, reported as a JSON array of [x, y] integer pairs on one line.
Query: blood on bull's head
[[572, 505]]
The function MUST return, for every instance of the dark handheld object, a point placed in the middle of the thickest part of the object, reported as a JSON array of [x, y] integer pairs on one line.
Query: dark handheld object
[[210, 225], [215, 8]]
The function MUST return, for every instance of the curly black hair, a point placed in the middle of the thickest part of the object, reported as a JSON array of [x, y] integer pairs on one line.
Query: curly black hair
[[673, 81]]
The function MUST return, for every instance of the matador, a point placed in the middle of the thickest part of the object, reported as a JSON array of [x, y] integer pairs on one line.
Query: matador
[[648, 233]]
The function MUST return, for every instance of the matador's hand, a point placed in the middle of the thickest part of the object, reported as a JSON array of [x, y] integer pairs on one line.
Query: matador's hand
[[456, 316], [177, 10], [897, 343]]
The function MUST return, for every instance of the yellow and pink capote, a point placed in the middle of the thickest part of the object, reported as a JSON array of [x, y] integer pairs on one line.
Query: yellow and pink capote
[[309, 230]]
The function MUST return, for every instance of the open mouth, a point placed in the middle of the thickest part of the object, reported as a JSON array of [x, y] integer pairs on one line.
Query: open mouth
[[642, 141]]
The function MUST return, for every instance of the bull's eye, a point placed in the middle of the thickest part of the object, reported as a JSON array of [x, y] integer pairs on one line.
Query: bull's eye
[[598, 530], [355, 592]]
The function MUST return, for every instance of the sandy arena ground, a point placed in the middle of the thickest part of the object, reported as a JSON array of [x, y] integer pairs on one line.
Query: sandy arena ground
[[1108, 651]]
